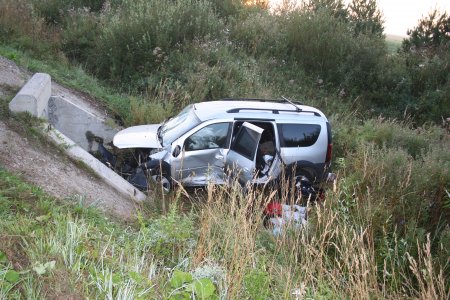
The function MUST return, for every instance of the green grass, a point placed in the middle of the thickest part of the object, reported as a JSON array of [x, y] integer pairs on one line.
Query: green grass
[[63, 248]]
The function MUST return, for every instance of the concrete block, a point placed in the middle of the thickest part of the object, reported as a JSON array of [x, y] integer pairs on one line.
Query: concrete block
[[78, 123], [109, 176], [33, 97]]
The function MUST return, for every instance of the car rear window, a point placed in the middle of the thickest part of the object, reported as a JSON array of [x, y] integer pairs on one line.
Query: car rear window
[[298, 135]]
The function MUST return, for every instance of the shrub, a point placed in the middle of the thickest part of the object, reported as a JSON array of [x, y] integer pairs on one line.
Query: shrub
[[430, 36], [139, 39], [20, 26], [319, 50], [335, 8], [149, 112], [393, 134], [258, 34], [10, 12], [416, 80], [256, 284], [209, 69], [336, 56], [80, 34], [395, 178], [54, 11], [226, 8], [430, 85], [363, 64]]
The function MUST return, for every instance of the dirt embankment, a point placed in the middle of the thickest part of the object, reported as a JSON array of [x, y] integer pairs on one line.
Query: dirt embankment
[[36, 162]]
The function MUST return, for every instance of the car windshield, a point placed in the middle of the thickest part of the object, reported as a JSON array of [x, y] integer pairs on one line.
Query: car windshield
[[176, 126]]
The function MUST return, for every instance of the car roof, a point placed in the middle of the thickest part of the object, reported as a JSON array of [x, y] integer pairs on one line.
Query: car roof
[[255, 109]]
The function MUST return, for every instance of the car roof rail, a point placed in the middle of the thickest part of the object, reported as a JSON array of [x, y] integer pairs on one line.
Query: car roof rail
[[283, 100], [274, 111]]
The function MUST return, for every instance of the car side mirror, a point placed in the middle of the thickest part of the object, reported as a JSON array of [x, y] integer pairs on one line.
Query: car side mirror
[[176, 151]]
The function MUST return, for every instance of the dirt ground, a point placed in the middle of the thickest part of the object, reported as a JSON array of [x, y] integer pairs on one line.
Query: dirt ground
[[42, 166]]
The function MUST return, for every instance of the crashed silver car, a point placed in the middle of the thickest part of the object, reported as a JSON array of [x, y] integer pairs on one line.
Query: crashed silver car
[[254, 139]]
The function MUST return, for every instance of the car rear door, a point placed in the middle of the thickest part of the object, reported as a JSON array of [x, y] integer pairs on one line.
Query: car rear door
[[241, 158]]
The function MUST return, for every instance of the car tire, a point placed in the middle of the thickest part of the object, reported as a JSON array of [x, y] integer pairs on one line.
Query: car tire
[[162, 180], [307, 173]]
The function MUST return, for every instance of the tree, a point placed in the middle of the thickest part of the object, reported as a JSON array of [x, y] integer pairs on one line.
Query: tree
[[336, 7], [366, 17], [431, 35]]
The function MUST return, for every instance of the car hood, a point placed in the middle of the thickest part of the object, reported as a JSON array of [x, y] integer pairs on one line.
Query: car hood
[[143, 136]]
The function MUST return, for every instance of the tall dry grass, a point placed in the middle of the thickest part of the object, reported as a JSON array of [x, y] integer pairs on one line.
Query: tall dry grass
[[21, 26], [339, 254], [228, 227]]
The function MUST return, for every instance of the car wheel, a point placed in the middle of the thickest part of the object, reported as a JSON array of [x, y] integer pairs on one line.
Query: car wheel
[[305, 173], [304, 185], [162, 180]]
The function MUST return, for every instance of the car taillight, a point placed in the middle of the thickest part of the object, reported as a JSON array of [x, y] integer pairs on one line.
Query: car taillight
[[329, 153]]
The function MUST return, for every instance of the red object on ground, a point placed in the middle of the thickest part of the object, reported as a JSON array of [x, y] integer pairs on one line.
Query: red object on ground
[[273, 209]]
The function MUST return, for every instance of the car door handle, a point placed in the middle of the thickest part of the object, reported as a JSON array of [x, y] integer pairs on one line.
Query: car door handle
[[218, 156]]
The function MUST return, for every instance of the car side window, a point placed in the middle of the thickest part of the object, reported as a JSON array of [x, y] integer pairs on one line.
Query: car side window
[[209, 137], [298, 135]]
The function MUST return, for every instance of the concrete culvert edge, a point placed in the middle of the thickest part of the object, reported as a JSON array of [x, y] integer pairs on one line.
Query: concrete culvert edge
[[47, 168]]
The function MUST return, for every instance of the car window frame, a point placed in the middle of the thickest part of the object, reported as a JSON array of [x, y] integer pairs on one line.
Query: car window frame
[[252, 128], [227, 139], [281, 136]]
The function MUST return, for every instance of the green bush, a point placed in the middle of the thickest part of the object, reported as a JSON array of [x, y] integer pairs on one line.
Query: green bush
[[319, 50], [10, 12], [392, 134], [140, 37], [395, 178], [430, 36], [256, 284], [21, 27], [366, 17], [226, 8], [209, 70], [363, 64], [410, 86], [258, 34], [415, 81], [54, 11], [430, 80], [336, 56], [82, 28]]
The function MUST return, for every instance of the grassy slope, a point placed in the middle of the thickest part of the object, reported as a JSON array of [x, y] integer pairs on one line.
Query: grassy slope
[[52, 248]]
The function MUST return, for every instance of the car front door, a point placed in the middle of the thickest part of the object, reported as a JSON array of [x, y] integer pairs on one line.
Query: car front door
[[201, 155], [241, 159]]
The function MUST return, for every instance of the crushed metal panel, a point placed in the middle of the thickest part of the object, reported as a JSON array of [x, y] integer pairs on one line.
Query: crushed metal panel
[[142, 136]]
